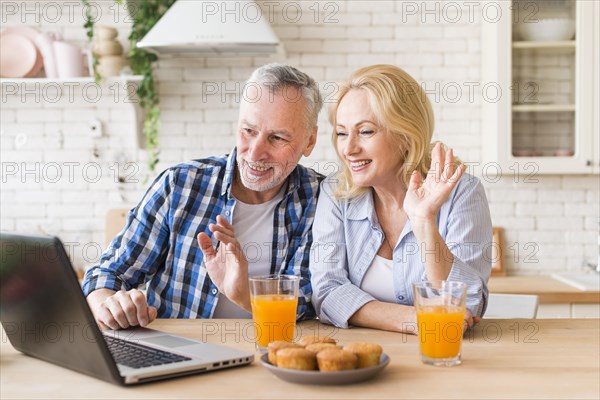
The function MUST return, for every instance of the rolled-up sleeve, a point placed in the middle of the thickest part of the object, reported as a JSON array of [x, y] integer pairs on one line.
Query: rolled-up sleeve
[[335, 297], [140, 247], [469, 237], [299, 263]]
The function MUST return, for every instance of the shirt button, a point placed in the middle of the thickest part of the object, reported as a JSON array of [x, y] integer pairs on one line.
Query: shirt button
[[400, 297], [214, 291], [227, 213]]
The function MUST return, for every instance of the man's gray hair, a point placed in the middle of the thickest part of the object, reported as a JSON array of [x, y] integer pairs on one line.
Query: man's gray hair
[[277, 77]]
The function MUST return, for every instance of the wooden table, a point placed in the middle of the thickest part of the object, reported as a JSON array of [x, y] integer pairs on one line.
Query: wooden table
[[548, 289], [501, 359]]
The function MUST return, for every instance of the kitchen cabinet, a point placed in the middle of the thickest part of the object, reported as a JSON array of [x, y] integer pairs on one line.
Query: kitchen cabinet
[[556, 299], [543, 116], [568, 310]]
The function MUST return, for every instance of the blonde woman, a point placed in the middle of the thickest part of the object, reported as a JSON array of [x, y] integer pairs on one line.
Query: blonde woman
[[400, 210]]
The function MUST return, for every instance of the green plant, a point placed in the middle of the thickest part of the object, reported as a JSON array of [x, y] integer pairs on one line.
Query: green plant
[[144, 14], [89, 27]]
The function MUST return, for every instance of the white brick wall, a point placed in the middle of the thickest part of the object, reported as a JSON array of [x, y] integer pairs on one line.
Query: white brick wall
[[550, 224]]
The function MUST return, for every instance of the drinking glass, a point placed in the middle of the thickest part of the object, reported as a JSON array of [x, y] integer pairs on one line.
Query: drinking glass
[[441, 307], [274, 300]]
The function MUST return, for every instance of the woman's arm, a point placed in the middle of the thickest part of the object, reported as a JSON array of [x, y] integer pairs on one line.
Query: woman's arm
[[422, 204], [468, 234], [386, 316], [395, 317], [335, 297], [451, 221]]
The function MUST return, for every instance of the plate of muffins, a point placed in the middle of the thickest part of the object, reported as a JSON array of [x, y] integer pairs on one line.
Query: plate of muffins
[[319, 360]]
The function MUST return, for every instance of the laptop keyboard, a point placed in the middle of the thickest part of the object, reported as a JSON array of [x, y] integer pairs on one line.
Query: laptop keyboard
[[136, 355]]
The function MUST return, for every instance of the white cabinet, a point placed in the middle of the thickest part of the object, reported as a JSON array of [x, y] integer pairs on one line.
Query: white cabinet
[[566, 310], [544, 118]]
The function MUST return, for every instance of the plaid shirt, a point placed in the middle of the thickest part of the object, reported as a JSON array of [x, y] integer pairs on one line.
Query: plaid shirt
[[158, 243]]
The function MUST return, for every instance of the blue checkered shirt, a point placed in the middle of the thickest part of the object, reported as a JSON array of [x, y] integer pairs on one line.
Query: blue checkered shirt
[[158, 243]]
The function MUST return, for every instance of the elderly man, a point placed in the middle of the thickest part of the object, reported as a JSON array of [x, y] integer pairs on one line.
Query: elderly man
[[204, 227]]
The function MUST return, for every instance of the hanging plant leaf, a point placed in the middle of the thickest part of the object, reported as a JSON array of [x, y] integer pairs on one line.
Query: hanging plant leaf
[[144, 14], [89, 27]]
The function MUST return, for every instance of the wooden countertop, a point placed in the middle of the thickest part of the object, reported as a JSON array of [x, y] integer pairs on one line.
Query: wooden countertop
[[548, 289], [501, 359]]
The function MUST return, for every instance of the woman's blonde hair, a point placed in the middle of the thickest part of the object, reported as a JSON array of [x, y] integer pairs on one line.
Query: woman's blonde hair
[[401, 107]]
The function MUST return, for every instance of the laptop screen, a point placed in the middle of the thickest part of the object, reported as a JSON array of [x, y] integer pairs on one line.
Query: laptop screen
[[43, 310]]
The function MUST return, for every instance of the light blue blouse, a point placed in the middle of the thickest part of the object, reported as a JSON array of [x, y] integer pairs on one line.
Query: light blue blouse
[[347, 236]]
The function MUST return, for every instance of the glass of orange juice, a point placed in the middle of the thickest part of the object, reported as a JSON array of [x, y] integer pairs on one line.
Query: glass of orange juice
[[440, 307], [274, 300]]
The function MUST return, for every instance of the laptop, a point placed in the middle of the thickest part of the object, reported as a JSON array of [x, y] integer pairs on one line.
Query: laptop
[[45, 315]]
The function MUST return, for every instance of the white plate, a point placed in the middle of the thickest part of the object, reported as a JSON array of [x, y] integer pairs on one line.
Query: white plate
[[29, 33], [18, 57], [326, 378]]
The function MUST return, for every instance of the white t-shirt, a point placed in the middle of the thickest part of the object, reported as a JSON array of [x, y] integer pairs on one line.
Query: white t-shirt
[[253, 225], [379, 280]]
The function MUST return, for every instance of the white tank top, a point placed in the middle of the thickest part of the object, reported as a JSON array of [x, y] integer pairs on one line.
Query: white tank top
[[253, 225], [379, 280]]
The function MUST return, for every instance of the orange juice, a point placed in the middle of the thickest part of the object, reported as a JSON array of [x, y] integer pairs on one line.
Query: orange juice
[[274, 317], [440, 330]]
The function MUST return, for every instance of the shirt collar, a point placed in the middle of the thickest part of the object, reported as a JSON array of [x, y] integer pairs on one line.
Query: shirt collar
[[229, 173], [362, 207], [293, 181]]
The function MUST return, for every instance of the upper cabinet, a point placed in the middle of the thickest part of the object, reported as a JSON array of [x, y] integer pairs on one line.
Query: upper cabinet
[[542, 57]]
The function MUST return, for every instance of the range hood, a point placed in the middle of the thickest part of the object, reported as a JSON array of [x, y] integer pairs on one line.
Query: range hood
[[193, 27]]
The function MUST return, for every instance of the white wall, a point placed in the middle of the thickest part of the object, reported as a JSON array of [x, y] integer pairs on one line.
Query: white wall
[[50, 164]]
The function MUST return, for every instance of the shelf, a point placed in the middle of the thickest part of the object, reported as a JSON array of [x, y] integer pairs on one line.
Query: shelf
[[563, 44], [543, 108], [82, 79], [537, 157]]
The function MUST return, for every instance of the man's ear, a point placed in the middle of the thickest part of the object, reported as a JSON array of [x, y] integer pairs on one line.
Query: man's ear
[[310, 144]]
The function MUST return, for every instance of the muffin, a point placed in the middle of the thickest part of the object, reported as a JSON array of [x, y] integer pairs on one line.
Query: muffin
[[368, 354], [317, 347], [277, 345], [306, 340], [336, 360], [296, 358]]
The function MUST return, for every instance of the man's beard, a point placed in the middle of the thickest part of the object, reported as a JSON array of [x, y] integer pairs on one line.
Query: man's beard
[[271, 180]]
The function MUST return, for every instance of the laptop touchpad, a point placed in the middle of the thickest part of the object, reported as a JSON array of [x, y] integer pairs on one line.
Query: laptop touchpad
[[169, 341]]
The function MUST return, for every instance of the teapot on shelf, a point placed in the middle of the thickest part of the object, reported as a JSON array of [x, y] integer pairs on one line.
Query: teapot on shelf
[[71, 60], [45, 43]]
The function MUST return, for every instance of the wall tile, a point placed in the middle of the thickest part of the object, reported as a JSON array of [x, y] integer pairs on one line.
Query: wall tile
[[437, 42]]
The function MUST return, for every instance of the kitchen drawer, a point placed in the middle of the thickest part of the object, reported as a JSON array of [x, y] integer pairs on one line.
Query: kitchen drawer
[[576, 310], [585, 310], [548, 311]]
